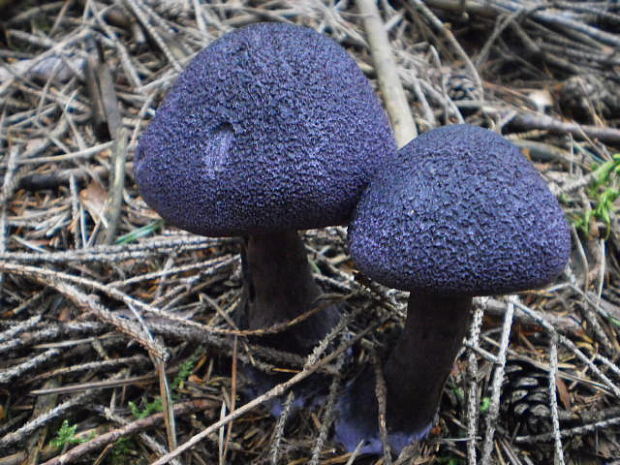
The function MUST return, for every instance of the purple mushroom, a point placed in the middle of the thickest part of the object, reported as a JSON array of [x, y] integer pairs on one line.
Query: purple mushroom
[[460, 213], [271, 129]]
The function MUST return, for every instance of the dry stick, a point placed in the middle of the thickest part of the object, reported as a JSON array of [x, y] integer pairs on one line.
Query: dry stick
[[185, 333], [355, 453], [119, 153], [278, 432], [491, 9], [590, 310], [34, 444], [18, 328], [47, 452], [164, 388], [567, 433], [39, 181], [196, 284], [49, 332], [538, 121], [233, 391], [116, 253], [411, 79], [86, 153], [98, 118], [94, 385], [25, 16], [87, 303], [381, 397], [76, 212], [58, 281], [321, 347], [135, 7], [555, 421], [609, 363], [166, 398], [160, 366], [387, 73], [144, 437], [267, 396], [170, 271], [472, 393], [137, 360], [435, 21], [573, 348], [497, 307], [28, 303], [561, 20], [133, 427], [9, 374], [129, 68], [56, 48], [500, 26], [328, 417], [8, 185], [498, 377], [25, 431]]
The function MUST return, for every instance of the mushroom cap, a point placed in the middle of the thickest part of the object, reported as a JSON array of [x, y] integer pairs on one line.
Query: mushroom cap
[[460, 211], [272, 127]]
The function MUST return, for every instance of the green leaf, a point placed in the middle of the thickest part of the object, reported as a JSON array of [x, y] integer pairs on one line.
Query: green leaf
[[139, 233]]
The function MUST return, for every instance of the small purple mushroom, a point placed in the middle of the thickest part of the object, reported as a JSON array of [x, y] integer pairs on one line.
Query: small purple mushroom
[[460, 213], [271, 129]]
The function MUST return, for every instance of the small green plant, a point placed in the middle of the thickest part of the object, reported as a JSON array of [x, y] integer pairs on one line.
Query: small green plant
[[121, 451], [459, 393], [149, 408], [485, 404], [66, 436], [603, 193], [185, 370]]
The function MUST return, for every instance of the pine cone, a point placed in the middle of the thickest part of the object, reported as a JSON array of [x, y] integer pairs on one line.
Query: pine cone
[[525, 398], [460, 86], [580, 95], [456, 82]]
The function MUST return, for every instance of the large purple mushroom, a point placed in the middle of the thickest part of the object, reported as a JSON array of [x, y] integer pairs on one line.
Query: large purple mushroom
[[460, 213], [271, 129]]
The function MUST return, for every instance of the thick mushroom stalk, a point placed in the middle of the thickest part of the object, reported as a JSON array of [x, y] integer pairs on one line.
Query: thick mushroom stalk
[[280, 288], [431, 339]]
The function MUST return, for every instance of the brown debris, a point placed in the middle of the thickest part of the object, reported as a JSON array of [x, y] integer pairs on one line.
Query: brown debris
[[123, 326]]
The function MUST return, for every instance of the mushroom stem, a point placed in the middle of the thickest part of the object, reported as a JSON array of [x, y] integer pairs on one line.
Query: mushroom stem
[[280, 287], [419, 364]]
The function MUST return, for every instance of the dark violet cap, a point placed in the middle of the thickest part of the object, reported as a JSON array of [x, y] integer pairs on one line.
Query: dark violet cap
[[271, 127], [460, 211]]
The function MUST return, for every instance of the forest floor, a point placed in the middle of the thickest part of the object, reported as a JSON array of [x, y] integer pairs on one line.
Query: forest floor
[[116, 340]]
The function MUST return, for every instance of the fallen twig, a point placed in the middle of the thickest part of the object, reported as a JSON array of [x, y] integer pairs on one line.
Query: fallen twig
[[133, 427], [387, 73]]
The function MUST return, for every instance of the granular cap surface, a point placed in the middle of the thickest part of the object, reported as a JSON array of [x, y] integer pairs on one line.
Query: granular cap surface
[[461, 211], [272, 127]]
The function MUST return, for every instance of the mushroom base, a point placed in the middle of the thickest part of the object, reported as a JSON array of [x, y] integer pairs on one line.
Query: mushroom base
[[279, 287], [415, 374], [308, 394], [358, 420]]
